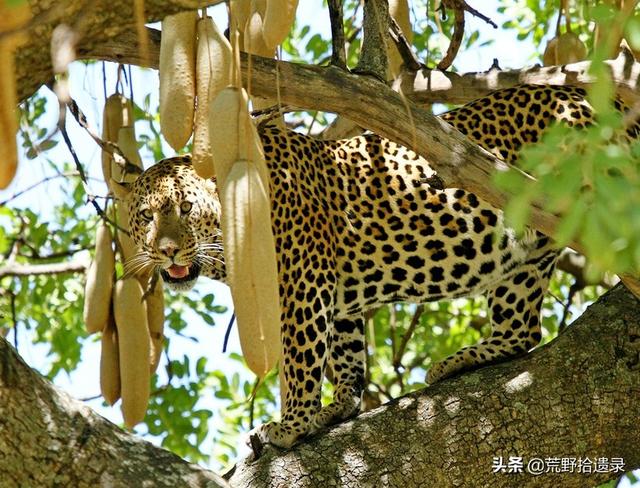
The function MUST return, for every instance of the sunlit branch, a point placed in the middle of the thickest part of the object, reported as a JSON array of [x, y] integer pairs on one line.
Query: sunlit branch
[[16, 269]]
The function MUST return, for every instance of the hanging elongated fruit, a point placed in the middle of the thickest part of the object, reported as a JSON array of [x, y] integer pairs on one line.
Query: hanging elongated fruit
[[127, 247], [178, 77], [97, 291], [399, 10], [118, 112], [253, 39], [251, 265], [564, 49], [254, 43], [233, 133], [129, 147], [155, 322], [11, 18], [278, 19], [213, 74], [8, 117], [130, 312], [110, 363], [240, 12], [224, 117], [119, 116]]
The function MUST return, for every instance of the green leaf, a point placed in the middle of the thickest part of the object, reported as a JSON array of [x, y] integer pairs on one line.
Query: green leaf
[[570, 223]]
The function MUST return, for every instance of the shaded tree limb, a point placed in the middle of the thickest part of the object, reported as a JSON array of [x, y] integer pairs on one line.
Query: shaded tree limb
[[575, 397], [49, 439], [458, 33], [409, 58]]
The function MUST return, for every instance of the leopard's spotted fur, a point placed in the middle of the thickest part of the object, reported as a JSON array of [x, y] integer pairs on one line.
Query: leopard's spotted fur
[[357, 225]]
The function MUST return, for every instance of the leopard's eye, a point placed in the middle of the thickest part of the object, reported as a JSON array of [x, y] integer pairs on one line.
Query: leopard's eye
[[185, 207], [146, 214]]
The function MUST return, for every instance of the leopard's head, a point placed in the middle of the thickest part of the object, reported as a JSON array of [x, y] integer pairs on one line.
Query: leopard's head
[[174, 220]]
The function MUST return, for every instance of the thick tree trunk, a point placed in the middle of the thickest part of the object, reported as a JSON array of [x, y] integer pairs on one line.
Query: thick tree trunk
[[576, 397], [49, 439]]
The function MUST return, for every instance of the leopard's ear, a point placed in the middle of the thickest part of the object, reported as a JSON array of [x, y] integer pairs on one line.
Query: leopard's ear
[[121, 190]]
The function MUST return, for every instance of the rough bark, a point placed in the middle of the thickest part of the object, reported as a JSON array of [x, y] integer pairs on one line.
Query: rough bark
[[375, 25], [575, 397], [431, 86], [49, 439]]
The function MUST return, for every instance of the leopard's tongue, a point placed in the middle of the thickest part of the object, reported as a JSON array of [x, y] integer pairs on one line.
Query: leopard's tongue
[[177, 271]]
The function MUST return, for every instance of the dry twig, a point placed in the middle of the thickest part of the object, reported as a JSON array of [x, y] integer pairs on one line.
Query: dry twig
[[409, 58]]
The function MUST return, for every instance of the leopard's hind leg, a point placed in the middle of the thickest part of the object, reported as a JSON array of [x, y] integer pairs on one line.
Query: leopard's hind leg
[[347, 361], [515, 306]]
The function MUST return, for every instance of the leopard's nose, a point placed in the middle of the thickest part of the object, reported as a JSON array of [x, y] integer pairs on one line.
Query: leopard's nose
[[168, 247]]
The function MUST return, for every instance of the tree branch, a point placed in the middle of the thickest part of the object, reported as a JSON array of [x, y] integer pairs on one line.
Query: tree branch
[[49, 439], [422, 87], [96, 22], [431, 86], [111, 36], [375, 26], [16, 269], [17, 194], [338, 55], [575, 264], [409, 59], [458, 33], [459, 162], [575, 397]]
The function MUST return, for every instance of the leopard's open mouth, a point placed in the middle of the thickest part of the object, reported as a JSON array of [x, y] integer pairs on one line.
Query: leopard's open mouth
[[176, 274]]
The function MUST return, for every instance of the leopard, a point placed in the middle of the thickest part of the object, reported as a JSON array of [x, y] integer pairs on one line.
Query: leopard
[[363, 222]]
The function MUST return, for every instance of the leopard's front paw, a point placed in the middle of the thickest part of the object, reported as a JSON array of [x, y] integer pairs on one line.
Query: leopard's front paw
[[281, 434]]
